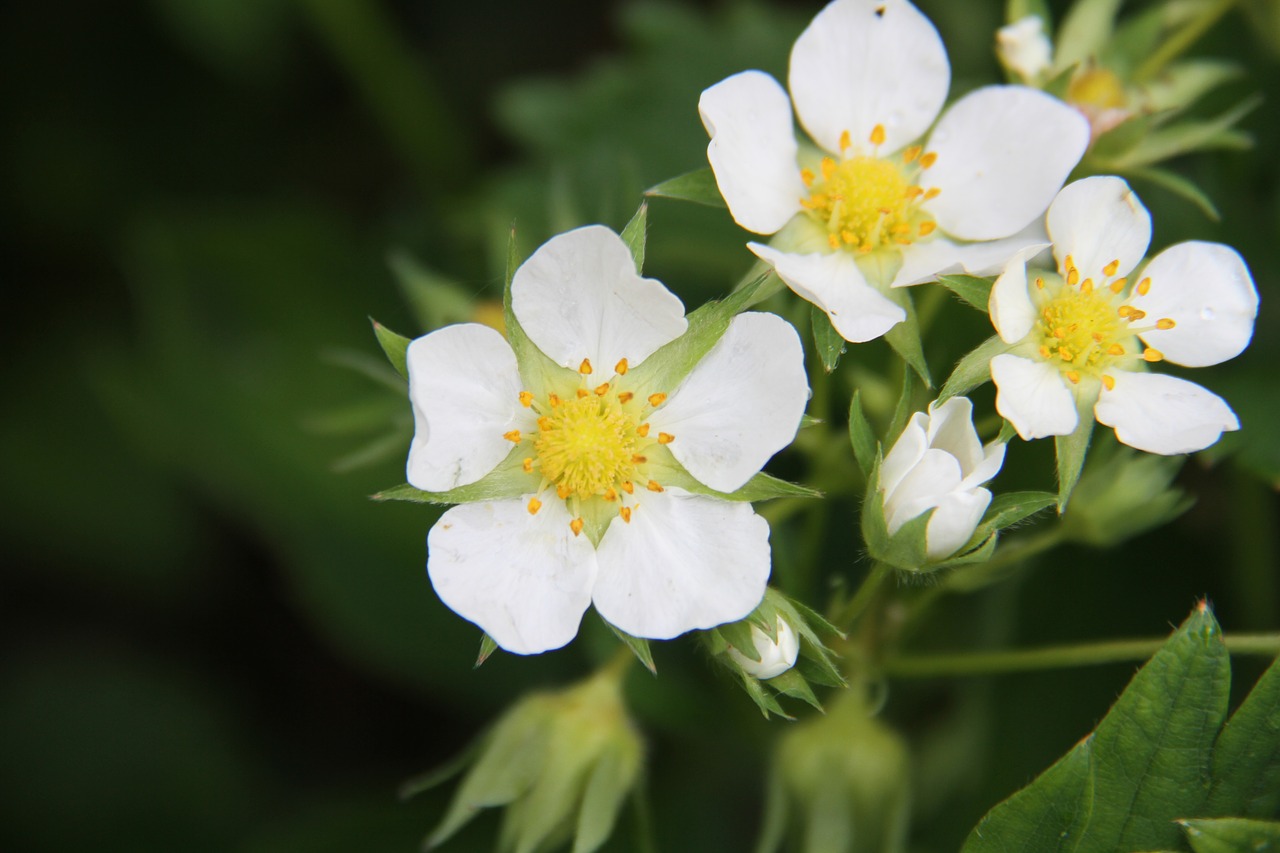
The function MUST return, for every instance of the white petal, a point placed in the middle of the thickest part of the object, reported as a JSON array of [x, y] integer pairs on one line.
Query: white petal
[[1163, 414], [1003, 152], [860, 63], [741, 404], [1096, 221], [951, 429], [1033, 397], [1010, 306], [579, 296], [465, 390], [857, 310], [683, 562], [954, 521], [775, 658], [936, 475], [940, 256], [753, 150], [1206, 289], [905, 453], [525, 579], [992, 459]]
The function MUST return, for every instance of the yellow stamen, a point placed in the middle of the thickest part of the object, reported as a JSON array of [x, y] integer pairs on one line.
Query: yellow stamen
[[828, 168], [833, 241], [585, 367], [807, 176], [512, 436], [621, 367], [1073, 277], [611, 494], [582, 392], [526, 399], [534, 506], [1086, 286], [642, 430], [1074, 376], [911, 154], [933, 192], [625, 397], [926, 228], [846, 141], [544, 423], [665, 438], [1115, 349], [1165, 324], [563, 491], [1152, 355], [928, 159], [625, 512], [1069, 263], [602, 389], [1144, 286], [877, 135], [576, 525], [1045, 352], [629, 487], [639, 459], [1039, 283], [527, 464], [1118, 285], [1109, 381], [554, 400], [658, 399], [653, 486], [1110, 269]]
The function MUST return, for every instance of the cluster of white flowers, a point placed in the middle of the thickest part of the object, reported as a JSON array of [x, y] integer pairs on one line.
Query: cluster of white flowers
[[615, 491]]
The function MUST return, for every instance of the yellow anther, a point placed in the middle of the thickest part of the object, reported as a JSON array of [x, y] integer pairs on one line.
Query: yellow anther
[[1165, 323], [611, 494], [582, 392], [1115, 349], [1059, 333], [602, 389], [849, 237], [625, 397], [926, 228], [1039, 283], [828, 168], [629, 487], [1045, 352], [576, 525], [1074, 377], [1086, 286], [526, 399], [585, 367], [658, 399], [642, 430], [877, 135], [554, 400], [901, 228], [527, 464], [1066, 354], [563, 491], [807, 176], [545, 423], [1118, 285], [665, 438], [1073, 276], [653, 486], [1109, 381], [625, 512], [833, 241], [1153, 355], [534, 506], [1069, 263], [932, 192], [1124, 310], [1110, 269], [928, 159], [621, 367], [846, 141], [911, 154], [1097, 337], [912, 191], [512, 436], [1144, 286], [1137, 314], [639, 459]]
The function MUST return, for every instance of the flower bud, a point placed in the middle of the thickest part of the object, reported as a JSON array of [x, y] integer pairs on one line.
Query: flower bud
[[1024, 49], [561, 762], [938, 464], [1121, 494], [776, 655]]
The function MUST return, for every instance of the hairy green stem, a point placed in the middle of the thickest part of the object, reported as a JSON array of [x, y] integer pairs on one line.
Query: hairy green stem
[[1057, 657], [865, 594]]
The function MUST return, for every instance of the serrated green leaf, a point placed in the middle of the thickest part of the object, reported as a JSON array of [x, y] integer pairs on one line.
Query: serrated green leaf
[[1084, 31], [905, 337], [393, 345], [605, 791], [1179, 186], [1152, 751], [1042, 816], [1246, 758], [861, 436], [827, 342], [636, 233], [698, 186], [639, 647], [1232, 835], [973, 369], [971, 289], [1071, 451]]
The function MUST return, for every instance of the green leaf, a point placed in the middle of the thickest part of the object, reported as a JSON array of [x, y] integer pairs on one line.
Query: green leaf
[[1179, 186], [861, 436], [905, 337], [973, 369], [1232, 835], [635, 234], [605, 791], [1084, 31], [906, 548], [1040, 818], [1246, 758], [393, 345], [639, 647], [971, 289], [827, 342], [698, 186], [1071, 450]]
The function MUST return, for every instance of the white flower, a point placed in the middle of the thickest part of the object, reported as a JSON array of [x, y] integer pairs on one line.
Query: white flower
[[1024, 48], [775, 657], [868, 78], [584, 448], [1085, 336], [939, 463]]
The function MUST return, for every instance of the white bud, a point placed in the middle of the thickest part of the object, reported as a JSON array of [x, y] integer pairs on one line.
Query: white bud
[[1024, 49], [775, 658]]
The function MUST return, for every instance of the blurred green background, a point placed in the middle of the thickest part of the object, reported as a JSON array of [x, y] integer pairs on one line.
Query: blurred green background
[[212, 640]]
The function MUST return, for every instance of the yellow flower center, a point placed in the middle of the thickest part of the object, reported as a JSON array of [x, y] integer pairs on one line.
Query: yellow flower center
[[866, 202], [1085, 330], [1097, 88], [592, 447]]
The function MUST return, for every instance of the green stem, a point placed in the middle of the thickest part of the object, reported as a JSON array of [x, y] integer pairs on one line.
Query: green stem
[[863, 597], [1057, 657], [1179, 42]]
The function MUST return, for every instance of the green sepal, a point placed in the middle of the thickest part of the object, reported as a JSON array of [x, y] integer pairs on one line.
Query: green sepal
[[698, 186], [536, 369], [507, 480], [638, 645], [1112, 146], [393, 346], [973, 369], [905, 336], [636, 233], [1187, 136], [763, 698], [792, 683], [605, 791], [1071, 451], [736, 635], [905, 406], [664, 468], [1012, 508], [1059, 84], [1231, 835], [437, 776], [488, 646], [861, 435], [827, 342], [972, 290], [907, 548], [1179, 186], [1085, 30]]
